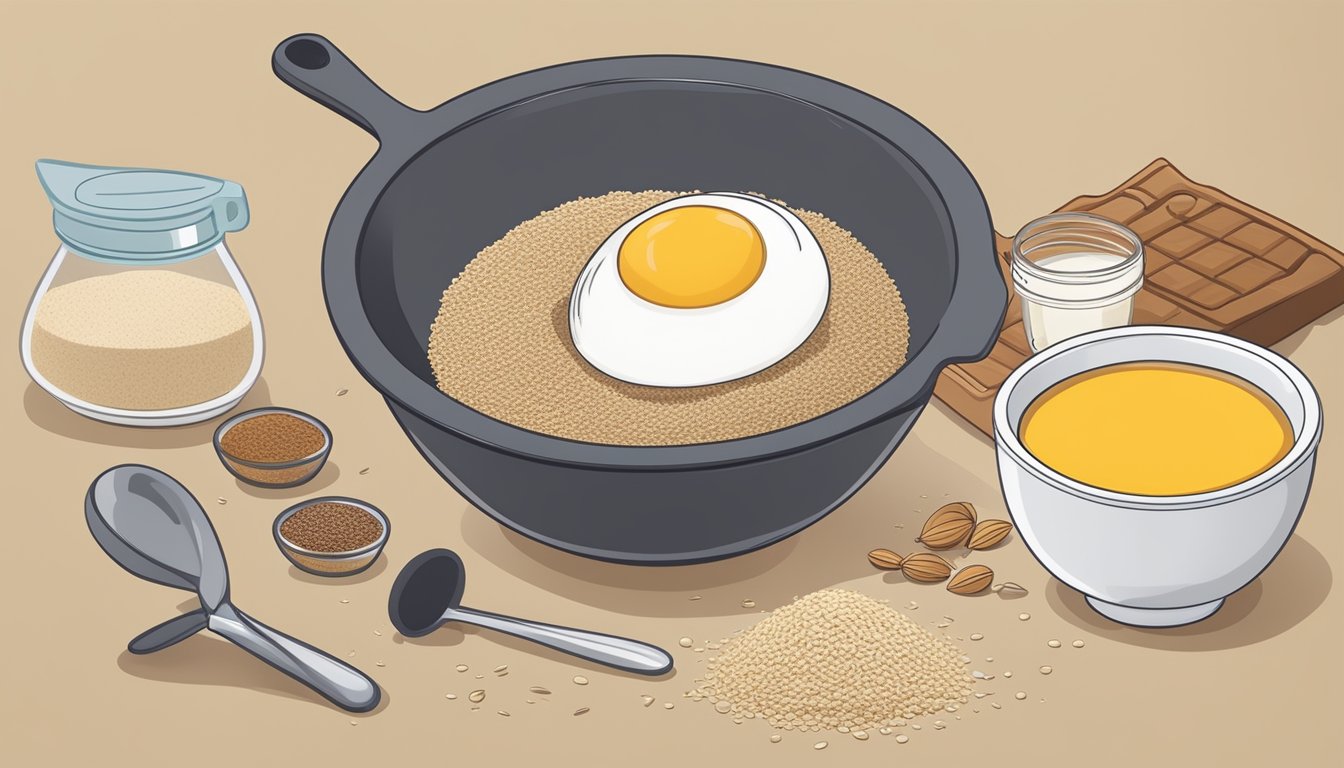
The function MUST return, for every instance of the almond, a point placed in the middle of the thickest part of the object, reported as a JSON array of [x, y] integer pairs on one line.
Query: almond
[[885, 559], [926, 567], [988, 533], [949, 526], [971, 580]]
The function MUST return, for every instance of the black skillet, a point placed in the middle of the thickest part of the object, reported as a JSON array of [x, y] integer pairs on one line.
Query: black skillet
[[447, 182]]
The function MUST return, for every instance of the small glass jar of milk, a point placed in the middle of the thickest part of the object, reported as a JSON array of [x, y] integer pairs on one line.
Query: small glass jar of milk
[[1075, 273]]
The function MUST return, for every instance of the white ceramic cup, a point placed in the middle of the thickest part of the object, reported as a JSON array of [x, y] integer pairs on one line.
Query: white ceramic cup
[[1156, 561]]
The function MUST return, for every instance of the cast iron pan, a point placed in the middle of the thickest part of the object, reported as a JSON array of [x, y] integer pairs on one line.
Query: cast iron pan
[[446, 182]]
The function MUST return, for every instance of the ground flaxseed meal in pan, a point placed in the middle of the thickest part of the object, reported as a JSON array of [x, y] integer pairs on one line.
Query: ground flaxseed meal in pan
[[500, 343], [330, 526]]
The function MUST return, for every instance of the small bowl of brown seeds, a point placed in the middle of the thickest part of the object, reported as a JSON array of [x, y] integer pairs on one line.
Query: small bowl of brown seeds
[[273, 447], [331, 535]]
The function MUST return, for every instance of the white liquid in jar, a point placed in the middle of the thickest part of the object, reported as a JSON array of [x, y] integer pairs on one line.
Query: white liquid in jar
[[1071, 303]]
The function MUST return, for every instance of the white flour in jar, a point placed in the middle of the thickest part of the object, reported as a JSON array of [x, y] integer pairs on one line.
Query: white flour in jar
[[143, 339]]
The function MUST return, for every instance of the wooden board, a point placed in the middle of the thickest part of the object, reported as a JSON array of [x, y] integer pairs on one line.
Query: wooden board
[[1211, 261]]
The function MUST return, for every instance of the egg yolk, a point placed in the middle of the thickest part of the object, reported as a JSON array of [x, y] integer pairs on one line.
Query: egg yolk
[[691, 257]]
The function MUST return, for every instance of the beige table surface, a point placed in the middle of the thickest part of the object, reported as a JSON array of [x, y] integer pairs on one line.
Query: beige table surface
[[1042, 100]]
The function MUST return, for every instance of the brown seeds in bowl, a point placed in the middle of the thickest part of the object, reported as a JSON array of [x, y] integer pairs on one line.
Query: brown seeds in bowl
[[330, 526], [949, 526], [272, 437], [971, 580], [926, 567], [988, 533]]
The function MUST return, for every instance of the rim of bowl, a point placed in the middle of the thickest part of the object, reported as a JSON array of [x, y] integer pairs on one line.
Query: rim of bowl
[[1304, 441], [235, 420], [346, 555]]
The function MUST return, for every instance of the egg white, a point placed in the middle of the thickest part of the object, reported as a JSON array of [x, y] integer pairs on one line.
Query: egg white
[[637, 341]]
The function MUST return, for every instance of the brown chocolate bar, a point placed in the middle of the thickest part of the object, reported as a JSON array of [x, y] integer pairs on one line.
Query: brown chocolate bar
[[1210, 261]]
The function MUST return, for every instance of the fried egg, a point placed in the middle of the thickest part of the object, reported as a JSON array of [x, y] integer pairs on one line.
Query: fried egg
[[699, 290]]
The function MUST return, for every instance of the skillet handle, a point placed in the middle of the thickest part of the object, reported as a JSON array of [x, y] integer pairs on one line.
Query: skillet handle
[[311, 65]]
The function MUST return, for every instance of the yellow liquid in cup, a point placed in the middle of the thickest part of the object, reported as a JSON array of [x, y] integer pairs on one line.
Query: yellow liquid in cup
[[1156, 429]]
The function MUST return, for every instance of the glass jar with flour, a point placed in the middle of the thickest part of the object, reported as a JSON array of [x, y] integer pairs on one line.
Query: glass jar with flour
[[142, 318]]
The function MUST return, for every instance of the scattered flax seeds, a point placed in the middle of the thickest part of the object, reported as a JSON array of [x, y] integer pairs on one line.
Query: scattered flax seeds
[[1078, 643], [833, 659], [537, 689], [476, 696], [1054, 644], [580, 680], [580, 711], [462, 667], [685, 642], [502, 326]]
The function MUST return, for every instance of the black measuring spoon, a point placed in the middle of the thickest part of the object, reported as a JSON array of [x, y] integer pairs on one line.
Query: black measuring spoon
[[428, 593]]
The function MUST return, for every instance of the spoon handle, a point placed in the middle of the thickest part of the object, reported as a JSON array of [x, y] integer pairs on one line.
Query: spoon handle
[[170, 632], [339, 682], [619, 652]]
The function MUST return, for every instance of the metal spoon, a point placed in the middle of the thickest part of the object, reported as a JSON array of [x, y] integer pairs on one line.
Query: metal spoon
[[428, 593], [153, 527]]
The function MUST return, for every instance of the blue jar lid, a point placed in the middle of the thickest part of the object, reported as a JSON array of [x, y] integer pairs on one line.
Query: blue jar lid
[[140, 214]]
